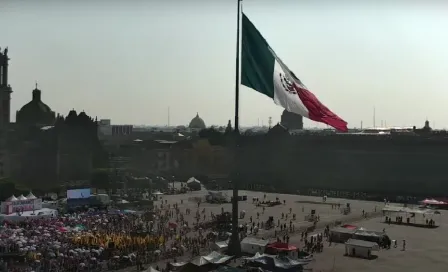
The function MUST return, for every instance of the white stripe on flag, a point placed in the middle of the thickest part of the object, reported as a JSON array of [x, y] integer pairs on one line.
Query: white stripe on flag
[[284, 93]]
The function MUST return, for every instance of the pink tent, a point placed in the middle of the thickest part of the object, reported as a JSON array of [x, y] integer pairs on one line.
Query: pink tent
[[432, 202]]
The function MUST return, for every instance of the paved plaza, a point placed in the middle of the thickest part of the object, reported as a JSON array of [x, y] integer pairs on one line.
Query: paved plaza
[[325, 211], [426, 248]]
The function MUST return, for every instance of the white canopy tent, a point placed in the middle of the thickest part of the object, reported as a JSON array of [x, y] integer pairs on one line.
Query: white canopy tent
[[31, 196], [398, 209], [360, 248], [251, 245], [22, 197], [11, 199], [194, 184], [193, 180], [407, 212], [150, 269], [220, 246]]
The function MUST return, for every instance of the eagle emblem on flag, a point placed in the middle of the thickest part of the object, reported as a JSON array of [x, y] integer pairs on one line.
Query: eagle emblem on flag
[[287, 84]]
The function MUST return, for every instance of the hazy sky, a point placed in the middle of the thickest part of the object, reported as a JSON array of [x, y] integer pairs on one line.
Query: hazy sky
[[131, 60]]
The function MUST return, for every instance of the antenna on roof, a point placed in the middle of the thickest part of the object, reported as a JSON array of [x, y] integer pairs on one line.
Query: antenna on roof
[[168, 116], [374, 117]]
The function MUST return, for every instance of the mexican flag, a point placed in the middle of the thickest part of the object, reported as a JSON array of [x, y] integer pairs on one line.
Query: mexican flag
[[263, 71]]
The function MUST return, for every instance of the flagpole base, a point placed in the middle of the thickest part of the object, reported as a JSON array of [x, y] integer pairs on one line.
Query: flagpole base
[[234, 242], [234, 246]]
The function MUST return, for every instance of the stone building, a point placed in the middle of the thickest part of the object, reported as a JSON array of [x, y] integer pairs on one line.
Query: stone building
[[183, 158], [291, 120], [45, 157], [42, 150], [5, 105]]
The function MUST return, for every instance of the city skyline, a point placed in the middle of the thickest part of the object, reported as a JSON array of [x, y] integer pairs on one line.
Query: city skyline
[[130, 63]]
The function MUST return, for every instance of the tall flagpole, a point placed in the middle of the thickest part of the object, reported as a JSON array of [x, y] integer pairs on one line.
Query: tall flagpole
[[234, 243], [237, 70]]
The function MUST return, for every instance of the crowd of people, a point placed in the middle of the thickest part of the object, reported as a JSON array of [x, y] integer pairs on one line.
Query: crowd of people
[[97, 240]]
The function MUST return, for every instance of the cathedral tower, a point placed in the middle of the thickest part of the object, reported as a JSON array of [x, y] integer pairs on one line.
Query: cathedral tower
[[5, 90], [5, 106]]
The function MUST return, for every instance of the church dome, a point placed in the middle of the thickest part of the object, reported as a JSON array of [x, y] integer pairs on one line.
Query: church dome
[[35, 112], [197, 122]]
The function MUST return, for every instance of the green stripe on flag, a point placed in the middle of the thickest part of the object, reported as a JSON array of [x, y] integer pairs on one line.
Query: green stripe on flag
[[257, 61]]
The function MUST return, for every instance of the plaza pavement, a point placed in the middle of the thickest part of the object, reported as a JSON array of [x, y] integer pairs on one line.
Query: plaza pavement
[[426, 248], [325, 211]]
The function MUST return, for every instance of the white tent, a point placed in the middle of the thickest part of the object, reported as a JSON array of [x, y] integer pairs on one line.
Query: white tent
[[11, 198], [193, 180], [217, 258], [194, 184], [212, 258], [252, 245], [150, 269], [360, 248], [31, 196], [277, 263], [220, 246], [199, 261], [22, 197], [399, 209]]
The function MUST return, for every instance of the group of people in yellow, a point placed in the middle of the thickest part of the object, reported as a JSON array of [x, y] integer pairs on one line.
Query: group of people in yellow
[[120, 240]]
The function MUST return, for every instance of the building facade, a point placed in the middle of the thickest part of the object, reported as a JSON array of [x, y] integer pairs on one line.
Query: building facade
[[291, 120], [106, 130]]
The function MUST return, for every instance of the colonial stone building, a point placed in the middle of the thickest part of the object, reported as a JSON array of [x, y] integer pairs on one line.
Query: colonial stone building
[[183, 158], [47, 154], [291, 120], [5, 105], [43, 150]]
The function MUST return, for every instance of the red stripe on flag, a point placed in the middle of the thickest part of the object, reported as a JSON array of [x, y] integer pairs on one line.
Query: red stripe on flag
[[318, 112]]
